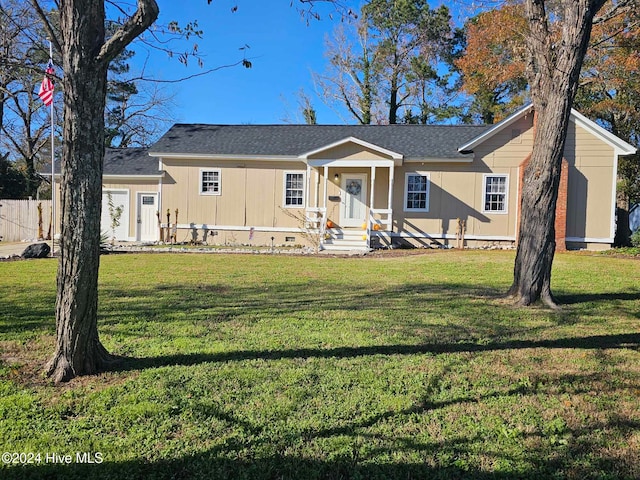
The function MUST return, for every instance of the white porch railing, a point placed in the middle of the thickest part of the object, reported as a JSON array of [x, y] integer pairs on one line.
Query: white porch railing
[[316, 221], [380, 220]]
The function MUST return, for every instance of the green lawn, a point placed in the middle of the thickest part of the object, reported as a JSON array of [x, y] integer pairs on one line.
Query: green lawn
[[289, 367]]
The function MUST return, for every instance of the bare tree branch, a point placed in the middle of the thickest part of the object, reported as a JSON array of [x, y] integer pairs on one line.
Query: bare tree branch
[[47, 25], [188, 77], [146, 13]]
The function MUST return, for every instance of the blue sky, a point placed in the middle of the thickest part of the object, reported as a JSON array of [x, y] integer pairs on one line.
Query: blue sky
[[284, 48]]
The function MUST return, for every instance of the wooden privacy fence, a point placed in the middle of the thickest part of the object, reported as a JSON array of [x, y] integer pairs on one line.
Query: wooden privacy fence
[[19, 219]]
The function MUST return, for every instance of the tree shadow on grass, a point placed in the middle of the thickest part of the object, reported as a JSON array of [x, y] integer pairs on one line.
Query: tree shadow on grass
[[234, 459], [596, 342], [572, 299], [625, 302], [275, 467]]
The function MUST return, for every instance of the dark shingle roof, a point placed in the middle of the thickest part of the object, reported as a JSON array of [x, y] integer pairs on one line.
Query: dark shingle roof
[[129, 161], [121, 161], [412, 141]]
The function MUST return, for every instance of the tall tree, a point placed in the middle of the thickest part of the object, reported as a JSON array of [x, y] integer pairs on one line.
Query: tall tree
[[493, 68], [26, 127], [556, 48], [86, 55], [392, 68], [493, 64], [134, 116], [610, 92], [350, 80], [404, 31]]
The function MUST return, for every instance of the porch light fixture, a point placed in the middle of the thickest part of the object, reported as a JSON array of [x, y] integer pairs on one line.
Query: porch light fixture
[[336, 177]]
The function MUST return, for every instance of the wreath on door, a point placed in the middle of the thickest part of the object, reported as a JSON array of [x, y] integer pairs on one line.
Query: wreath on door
[[354, 187]]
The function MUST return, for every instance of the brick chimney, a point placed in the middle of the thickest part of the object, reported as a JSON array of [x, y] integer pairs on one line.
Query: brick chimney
[[561, 205]]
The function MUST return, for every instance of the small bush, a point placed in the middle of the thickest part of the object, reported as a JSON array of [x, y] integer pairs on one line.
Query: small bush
[[635, 238]]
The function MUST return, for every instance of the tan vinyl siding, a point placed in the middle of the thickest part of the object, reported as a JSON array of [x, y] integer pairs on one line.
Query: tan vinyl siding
[[349, 151], [381, 193], [591, 183], [456, 193], [251, 193], [508, 147], [261, 200]]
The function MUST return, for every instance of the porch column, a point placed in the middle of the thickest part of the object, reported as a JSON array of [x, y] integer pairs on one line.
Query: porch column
[[372, 194], [307, 195], [317, 189], [390, 198], [326, 191]]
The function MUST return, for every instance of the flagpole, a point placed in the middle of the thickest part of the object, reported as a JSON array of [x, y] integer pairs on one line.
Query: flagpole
[[53, 172]]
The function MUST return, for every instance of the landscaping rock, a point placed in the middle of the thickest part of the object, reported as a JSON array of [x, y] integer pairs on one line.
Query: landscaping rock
[[36, 250]]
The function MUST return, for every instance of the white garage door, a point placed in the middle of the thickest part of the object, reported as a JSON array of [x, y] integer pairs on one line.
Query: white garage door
[[119, 198]]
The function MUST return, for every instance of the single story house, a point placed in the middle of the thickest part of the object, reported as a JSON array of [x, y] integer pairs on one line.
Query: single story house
[[359, 186]]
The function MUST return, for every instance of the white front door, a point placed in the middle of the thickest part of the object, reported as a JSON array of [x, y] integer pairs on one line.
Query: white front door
[[115, 214], [353, 211], [147, 229]]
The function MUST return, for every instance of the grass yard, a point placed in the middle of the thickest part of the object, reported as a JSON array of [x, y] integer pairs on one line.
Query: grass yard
[[288, 367]]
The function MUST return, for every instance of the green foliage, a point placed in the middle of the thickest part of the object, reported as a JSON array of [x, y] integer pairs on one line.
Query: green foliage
[[629, 175], [262, 367], [635, 238], [13, 183], [115, 212]]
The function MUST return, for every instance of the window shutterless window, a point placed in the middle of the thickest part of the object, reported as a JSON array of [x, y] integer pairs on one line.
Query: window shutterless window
[[416, 192], [210, 182], [294, 189], [495, 193]]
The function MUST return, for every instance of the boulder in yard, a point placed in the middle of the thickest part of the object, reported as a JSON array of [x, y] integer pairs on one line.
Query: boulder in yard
[[36, 250]]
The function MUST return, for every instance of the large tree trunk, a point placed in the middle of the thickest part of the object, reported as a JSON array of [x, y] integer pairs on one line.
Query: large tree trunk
[[86, 57], [553, 72], [536, 240], [78, 348]]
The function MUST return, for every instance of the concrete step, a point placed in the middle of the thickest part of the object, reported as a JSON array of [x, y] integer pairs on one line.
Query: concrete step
[[345, 239]]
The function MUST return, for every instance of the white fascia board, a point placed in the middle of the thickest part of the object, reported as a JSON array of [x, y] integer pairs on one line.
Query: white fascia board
[[468, 147], [159, 176], [447, 236], [204, 226], [362, 143], [588, 240], [350, 163], [620, 146], [216, 156], [132, 177]]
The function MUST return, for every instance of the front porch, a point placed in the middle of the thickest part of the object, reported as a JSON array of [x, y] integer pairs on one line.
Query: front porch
[[360, 239], [350, 208], [350, 193]]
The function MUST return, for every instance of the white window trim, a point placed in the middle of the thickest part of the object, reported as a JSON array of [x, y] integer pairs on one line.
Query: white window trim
[[202, 170], [406, 192], [506, 194], [284, 188]]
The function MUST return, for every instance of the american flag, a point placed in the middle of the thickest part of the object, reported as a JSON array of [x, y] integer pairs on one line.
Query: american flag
[[46, 87]]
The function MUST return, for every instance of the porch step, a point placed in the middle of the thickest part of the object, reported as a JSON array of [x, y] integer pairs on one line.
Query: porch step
[[345, 239]]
